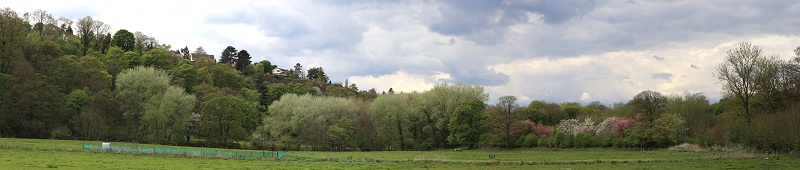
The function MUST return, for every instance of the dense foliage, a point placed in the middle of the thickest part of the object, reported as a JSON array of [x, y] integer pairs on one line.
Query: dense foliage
[[87, 84]]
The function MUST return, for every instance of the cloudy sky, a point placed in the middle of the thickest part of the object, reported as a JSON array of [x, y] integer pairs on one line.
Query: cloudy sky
[[551, 50]]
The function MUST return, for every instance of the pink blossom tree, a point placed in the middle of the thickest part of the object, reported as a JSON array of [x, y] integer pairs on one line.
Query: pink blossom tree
[[538, 129]]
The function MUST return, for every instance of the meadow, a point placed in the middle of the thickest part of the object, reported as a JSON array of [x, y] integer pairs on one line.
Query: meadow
[[65, 154]]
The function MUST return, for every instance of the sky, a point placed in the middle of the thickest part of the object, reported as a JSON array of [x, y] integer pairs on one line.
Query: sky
[[550, 50]]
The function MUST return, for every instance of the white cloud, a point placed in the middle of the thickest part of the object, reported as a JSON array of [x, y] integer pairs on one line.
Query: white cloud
[[398, 81], [585, 97]]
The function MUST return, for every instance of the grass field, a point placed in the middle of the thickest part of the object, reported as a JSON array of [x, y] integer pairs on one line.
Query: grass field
[[39, 154]]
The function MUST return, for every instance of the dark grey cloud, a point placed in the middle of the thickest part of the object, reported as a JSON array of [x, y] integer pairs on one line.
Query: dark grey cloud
[[663, 75], [658, 58], [616, 25], [486, 77], [330, 34], [311, 28], [486, 21]]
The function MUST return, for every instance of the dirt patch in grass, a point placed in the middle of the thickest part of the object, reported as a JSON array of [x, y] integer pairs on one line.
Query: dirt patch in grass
[[690, 147]]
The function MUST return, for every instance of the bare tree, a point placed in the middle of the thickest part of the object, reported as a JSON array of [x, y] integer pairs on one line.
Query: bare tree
[[41, 16], [743, 68], [85, 31], [101, 38]]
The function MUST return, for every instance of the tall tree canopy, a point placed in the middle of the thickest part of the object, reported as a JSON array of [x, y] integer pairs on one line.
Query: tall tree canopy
[[242, 60], [650, 103], [124, 39], [228, 55]]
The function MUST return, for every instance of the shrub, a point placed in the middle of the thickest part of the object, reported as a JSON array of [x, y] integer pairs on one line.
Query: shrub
[[582, 140], [544, 141], [662, 133], [61, 133], [777, 131], [530, 140], [602, 140], [562, 140]]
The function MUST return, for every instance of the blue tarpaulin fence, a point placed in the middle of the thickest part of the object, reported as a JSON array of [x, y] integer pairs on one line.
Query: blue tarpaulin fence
[[184, 152]]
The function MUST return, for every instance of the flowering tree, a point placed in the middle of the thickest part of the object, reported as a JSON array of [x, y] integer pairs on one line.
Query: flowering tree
[[619, 125], [538, 129], [573, 126]]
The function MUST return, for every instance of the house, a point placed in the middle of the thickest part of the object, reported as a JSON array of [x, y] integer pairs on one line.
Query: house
[[280, 71], [196, 56]]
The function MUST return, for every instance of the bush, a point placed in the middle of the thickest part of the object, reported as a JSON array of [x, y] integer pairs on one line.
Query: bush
[[582, 140], [662, 133], [61, 133], [619, 142], [777, 131], [602, 140], [562, 140], [530, 140], [544, 141]]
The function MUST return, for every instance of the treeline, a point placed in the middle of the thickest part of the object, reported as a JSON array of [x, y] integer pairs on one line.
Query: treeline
[[90, 85]]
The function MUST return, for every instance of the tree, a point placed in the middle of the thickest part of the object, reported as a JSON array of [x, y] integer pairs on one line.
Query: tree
[[309, 119], [102, 38], [184, 75], [435, 108], [650, 103], [298, 69], [139, 39], [85, 32], [65, 24], [504, 118], [340, 135], [228, 55], [242, 60], [263, 67], [467, 123], [165, 120], [102, 118], [392, 115], [124, 39], [739, 74], [136, 88], [77, 100], [318, 74], [41, 18], [200, 51], [160, 58], [33, 107], [93, 74], [185, 53], [695, 109], [222, 117]]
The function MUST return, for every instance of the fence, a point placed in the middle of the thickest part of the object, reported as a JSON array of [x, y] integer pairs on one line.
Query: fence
[[184, 152]]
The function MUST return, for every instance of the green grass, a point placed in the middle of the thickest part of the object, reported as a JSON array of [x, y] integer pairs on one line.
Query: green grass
[[78, 145], [34, 154]]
